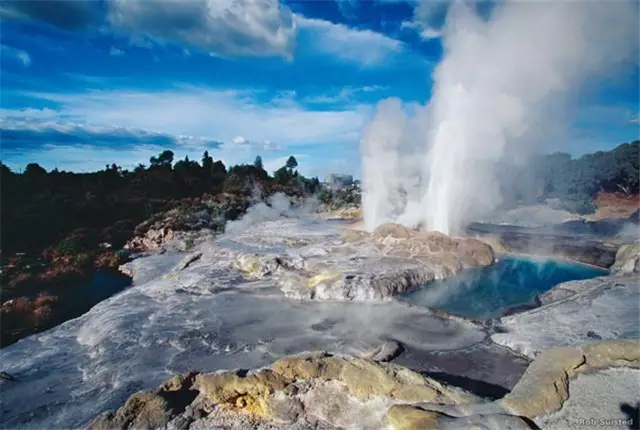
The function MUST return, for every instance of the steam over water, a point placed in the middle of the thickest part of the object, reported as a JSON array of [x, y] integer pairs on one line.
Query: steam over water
[[503, 84]]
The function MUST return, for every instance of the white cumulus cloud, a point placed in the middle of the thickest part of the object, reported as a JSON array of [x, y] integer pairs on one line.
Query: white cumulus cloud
[[226, 115], [365, 47], [222, 27]]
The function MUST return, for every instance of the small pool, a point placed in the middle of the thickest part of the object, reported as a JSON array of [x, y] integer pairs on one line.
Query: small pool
[[103, 284], [487, 292]]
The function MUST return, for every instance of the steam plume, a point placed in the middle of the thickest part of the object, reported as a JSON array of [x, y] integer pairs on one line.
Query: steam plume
[[501, 84]]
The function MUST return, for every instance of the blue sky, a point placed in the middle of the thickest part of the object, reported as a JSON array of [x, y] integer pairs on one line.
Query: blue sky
[[86, 83]]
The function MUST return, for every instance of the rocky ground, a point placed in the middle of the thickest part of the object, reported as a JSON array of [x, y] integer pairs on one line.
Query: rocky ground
[[307, 304], [362, 266], [328, 390], [590, 242], [207, 216]]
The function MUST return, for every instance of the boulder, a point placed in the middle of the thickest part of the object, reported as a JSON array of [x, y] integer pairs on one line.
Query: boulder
[[385, 352], [545, 384], [475, 253], [544, 387], [448, 262], [143, 410], [150, 409], [366, 266], [283, 408], [323, 277]]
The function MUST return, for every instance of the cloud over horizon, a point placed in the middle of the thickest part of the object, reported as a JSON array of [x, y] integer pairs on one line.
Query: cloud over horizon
[[287, 77], [239, 28], [223, 114]]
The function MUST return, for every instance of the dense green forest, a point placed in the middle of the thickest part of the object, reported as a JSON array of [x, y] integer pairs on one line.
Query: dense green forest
[[574, 181]]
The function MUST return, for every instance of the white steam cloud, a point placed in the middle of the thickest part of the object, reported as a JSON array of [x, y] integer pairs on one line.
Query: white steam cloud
[[503, 84]]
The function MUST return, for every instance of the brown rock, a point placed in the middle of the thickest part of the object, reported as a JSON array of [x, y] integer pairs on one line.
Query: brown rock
[[236, 391], [544, 387], [404, 417], [151, 409], [319, 366], [436, 241], [475, 253], [395, 231], [179, 382], [279, 394], [606, 353], [143, 410], [351, 235], [365, 378]]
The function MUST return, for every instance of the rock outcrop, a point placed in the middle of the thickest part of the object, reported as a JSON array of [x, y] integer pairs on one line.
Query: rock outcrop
[[627, 259], [572, 313], [315, 390], [545, 385], [567, 289], [324, 391], [391, 260], [199, 216], [406, 417], [385, 352], [151, 409], [586, 249]]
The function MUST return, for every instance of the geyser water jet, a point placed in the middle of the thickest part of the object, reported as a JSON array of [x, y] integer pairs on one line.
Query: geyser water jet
[[499, 88]]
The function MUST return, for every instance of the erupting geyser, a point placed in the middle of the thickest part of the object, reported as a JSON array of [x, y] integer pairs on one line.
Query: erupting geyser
[[502, 84]]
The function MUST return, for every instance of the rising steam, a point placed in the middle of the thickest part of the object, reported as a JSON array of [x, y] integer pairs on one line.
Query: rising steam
[[503, 83]]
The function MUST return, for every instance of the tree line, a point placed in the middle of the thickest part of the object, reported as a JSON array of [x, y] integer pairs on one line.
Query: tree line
[[574, 181], [40, 208]]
